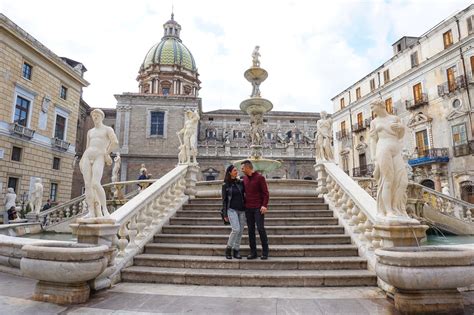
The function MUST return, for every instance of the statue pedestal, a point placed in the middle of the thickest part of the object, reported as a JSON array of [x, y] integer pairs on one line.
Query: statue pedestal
[[321, 179], [191, 179], [394, 233]]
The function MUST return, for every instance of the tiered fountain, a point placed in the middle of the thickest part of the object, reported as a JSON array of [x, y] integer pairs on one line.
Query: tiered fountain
[[256, 107]]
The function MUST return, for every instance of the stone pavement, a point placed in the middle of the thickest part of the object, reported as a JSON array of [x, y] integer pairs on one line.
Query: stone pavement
[[139, 298]]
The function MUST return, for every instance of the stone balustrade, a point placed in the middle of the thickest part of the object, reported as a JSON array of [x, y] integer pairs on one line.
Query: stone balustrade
[[270, 150], [142, 217], [58, 218]]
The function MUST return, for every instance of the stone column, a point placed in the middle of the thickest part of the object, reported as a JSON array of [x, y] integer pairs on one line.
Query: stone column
[[191, 179], [126, 129]]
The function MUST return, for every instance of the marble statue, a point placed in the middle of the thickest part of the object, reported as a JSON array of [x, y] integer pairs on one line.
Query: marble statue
[[188, 135], [390, 172], [255, 57], [101, 140], [143, 169], [445, 191], [10, 201], [182, 156], [36, 197], [323, 148], [74, 161], [256, 123], [116, 168]]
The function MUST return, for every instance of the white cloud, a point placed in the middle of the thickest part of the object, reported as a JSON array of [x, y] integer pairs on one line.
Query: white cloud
[[311, 51]]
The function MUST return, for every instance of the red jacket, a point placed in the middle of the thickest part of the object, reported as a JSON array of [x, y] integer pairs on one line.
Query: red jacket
[[256, 191]]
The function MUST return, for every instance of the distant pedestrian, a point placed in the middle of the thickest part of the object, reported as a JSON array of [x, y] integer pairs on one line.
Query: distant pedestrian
[[47, 205]]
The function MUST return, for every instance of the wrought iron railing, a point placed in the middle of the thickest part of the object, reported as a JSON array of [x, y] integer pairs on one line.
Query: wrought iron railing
[[433, 155], [363, 171], [451, 86], [464, 149], [342, 134], [417, 102]]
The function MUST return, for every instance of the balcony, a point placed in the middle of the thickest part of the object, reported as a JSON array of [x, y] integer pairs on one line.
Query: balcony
[[21, 131], [447, 88], [415, 103], [342, 135], [60, 144], [464, 149], [429, 156], [363, 171], [360, 126]]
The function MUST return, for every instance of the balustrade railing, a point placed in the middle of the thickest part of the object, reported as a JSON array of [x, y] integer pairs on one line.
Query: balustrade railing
[[77, 207]]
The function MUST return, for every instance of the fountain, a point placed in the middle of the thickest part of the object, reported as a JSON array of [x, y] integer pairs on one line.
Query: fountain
[[256, 107]]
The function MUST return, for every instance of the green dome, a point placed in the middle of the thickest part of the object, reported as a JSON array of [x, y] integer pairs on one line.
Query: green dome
[[170, 51]]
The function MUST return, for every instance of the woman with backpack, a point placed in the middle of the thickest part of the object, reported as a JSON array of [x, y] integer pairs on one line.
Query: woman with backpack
[[233, 210]]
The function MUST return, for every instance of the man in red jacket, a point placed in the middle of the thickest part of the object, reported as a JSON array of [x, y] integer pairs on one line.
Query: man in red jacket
[[256, 203]]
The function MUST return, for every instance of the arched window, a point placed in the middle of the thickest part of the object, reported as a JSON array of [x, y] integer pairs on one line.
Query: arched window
[[466, 191], [428, 183]]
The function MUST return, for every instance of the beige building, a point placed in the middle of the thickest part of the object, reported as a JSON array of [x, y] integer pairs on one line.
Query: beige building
[[39, 100], [428, 83]]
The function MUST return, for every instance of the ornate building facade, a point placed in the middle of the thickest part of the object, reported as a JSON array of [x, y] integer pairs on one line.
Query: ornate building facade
[[428, 83], [147, 121], [39, 100]]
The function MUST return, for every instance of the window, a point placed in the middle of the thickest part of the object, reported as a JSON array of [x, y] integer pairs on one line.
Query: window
[[448, 39], [22, 109], [421, 141], [211, 118], [372, 84], [265, 120], [53, 193], [417, 93], [388, 105], [210, 177], [166, 91], [343, 128], [360, 119], [211, 133], [292, 121], [358, 93], [27, 69], [63, 93], [345, 164], [60, 127], [472, 64], [269, 135], [451, 74], [399, 47], [414, 59], [342, 103], [16, 154], [469, 24], [239, 134], [386, 76], [157, 124], [13, 183], [56, 163], [237, 119], [459, 134]]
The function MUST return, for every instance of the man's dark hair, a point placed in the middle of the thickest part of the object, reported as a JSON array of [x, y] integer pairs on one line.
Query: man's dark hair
[[247, 163]]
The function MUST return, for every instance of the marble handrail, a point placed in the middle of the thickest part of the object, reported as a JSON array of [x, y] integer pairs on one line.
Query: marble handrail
[[76, 207]]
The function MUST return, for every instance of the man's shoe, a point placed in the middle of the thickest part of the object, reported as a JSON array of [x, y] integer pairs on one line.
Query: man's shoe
[[236, 254], [252, 256], [264, 257], [228, 252]]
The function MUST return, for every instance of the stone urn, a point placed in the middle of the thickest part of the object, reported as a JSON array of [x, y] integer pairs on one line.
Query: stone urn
[[63, 270], [426, 278]]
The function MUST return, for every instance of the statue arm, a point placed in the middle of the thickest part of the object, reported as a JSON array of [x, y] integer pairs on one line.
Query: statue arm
[[373, 140], [113, 141]]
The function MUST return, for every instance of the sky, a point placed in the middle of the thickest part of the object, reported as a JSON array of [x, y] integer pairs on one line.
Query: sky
[[312, 50]]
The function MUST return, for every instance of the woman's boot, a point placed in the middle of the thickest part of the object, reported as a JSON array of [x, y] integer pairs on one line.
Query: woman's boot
[[228, 252], [237, 254]]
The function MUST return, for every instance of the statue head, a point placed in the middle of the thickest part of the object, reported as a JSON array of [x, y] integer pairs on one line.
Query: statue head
[[38, 180], [324, 114], [378, 107], [10, 190], [97, 115]]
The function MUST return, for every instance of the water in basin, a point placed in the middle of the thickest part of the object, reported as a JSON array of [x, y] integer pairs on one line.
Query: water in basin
[[449, 240]]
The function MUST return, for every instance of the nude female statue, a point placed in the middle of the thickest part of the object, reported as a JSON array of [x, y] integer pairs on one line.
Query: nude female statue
[[101, 140], [188, 134], [323, 148], [390, 172]]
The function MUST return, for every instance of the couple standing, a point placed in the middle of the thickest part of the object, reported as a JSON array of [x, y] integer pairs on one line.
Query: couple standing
[[245, 200]]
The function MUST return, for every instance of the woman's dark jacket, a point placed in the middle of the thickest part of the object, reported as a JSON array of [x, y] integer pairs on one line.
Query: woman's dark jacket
[[227, 195]]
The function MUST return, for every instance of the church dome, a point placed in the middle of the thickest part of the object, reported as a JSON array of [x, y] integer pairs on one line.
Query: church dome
[[170, 50]]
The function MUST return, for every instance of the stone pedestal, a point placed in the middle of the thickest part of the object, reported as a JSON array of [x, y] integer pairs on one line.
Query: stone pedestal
[[191, 179], [321, 179], [398, 234]]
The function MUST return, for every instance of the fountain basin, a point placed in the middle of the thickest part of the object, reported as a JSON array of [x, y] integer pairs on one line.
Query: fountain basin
[[256, 105], [256, 74], [261, 165], [62, 270], [426, 278]]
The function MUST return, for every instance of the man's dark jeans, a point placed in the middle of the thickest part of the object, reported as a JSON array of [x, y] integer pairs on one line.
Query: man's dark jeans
[[254, 216]]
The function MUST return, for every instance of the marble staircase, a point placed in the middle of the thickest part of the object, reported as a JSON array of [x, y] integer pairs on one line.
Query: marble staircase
[[307, 248]]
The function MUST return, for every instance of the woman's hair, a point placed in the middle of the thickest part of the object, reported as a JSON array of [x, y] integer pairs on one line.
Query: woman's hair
[[227, 178]]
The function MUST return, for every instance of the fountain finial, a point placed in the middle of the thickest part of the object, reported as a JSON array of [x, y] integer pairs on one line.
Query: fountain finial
[[255, 57]]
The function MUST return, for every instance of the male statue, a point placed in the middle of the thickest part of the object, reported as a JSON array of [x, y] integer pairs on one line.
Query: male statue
[[36, 201], [188, 133], [255, 57], [101, 140]]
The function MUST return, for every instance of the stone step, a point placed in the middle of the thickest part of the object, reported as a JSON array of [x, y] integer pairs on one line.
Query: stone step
[[333, 250], [273, 200], [239, 277], [270, 214], [271, 230], [294, 206], [275, 263], [272, 239], [268, 221]]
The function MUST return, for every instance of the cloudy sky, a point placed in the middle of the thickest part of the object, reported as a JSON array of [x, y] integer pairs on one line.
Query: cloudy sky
[[312, 50]]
